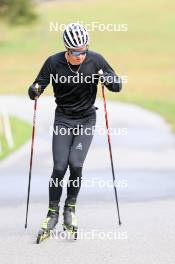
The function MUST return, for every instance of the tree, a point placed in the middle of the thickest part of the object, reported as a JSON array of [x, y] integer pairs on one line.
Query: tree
[[17, 11]]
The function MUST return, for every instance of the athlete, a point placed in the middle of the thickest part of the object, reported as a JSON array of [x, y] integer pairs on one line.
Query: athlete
[[74, 75]]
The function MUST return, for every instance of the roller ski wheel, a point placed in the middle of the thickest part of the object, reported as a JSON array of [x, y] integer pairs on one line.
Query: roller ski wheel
[[42, 235], [72, 230], [70, 221], [48, 225]]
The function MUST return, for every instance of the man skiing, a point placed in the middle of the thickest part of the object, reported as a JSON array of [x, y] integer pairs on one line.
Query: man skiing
[[75, 108]]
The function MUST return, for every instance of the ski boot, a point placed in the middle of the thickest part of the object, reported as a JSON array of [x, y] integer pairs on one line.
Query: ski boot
[[49, 223], [70, 220]]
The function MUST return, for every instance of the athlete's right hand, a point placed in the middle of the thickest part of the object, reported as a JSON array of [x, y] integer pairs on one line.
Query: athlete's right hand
[[34, 91]]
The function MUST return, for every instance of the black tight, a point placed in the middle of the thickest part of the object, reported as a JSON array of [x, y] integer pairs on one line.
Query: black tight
[[73, 185], [69, 150]]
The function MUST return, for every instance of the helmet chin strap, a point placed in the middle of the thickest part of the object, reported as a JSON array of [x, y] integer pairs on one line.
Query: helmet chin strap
[[67, 55]]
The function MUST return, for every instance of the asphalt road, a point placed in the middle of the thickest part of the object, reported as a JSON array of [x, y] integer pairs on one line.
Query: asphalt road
[[144, 158]]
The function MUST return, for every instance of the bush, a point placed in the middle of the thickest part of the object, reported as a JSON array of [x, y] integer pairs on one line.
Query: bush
[[17, 11]]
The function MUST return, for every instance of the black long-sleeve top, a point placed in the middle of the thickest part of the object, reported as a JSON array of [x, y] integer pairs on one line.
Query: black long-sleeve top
[[71, 93]]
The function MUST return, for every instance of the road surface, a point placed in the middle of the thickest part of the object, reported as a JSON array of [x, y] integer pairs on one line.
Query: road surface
[[144, 157]]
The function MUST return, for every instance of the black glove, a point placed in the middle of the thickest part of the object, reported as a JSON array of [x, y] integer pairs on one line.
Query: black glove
[[107, 78], [111, 81], [34, 91]]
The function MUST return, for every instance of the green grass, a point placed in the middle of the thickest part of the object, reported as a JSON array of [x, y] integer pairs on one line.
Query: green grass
[[21, 133], [145, 53], [166, 108]]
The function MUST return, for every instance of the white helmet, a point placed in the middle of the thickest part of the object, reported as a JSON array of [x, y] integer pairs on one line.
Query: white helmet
[[75, 36]]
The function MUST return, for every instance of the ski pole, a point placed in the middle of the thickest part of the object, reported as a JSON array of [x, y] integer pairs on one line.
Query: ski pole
[[110, 148], [31, 158]]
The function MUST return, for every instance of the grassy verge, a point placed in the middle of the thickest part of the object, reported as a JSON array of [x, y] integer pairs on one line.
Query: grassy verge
[[165, 108], [21, 133]]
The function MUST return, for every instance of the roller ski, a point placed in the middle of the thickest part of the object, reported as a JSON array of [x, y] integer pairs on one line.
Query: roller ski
[[70, 221], [48, 224]]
